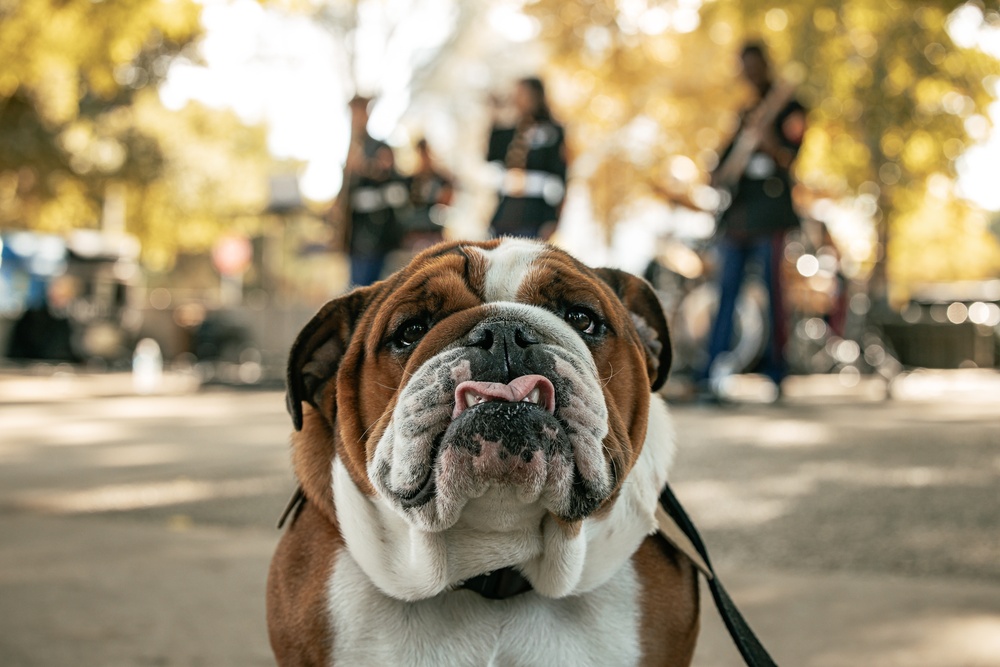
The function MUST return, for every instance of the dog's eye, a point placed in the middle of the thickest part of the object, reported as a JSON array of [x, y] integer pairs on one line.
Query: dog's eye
[[582, 320], [410, 333]]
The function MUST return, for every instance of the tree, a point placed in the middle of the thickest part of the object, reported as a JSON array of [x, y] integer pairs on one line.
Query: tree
[[213, 179], [71, 71], [81, 124], [894, 102]]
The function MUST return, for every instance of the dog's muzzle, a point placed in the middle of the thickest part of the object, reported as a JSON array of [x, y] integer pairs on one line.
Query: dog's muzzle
[[514, 406]]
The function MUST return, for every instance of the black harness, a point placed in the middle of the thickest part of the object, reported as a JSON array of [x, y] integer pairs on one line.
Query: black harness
[[498, 585]]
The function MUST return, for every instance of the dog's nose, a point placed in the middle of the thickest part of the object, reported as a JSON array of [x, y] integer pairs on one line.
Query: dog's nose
[[496, 336], [507, 342]]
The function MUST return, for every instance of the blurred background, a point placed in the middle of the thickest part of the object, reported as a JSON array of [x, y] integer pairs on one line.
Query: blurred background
[[169, 174], [170, 167]]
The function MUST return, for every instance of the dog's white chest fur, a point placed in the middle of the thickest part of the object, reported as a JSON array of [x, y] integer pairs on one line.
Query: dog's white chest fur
[[460, 628]]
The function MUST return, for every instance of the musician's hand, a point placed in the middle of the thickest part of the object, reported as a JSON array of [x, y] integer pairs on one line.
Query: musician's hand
[[769, 143], [355, 162], [384, 160], [781, 154]]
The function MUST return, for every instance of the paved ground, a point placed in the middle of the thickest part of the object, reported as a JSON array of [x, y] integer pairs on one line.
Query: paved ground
[[852, 534], [137, 530]]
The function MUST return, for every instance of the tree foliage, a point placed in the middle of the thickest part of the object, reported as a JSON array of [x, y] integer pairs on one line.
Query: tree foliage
[[653, 92], [79, 118], [213, 179]]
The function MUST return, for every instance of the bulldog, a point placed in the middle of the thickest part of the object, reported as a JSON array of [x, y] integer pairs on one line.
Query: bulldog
[[480, 450]]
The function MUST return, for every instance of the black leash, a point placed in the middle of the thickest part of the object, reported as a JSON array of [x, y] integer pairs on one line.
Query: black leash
[[754, 654]]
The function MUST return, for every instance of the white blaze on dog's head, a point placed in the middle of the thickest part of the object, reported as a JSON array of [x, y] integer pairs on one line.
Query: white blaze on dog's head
[[508, 266]]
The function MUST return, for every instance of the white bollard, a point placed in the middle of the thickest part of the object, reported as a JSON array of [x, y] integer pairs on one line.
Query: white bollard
[[147, 367]]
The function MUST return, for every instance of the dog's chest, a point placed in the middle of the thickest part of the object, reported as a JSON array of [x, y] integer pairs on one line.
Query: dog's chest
[[461, 628]]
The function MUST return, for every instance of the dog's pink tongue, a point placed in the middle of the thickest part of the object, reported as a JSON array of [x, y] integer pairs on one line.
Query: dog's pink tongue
[[471, 393]]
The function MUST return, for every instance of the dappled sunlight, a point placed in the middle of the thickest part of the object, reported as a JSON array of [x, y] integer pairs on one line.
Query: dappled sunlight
[[124, 497], [935, 641], [61, 386], [743, 504], [847, 618], [208, 406], [133, 455], [115, 432], [823, 388], [720, 505], [773, 432], [12, 452], [977, 385], [29, 416], [756, 497], [794, 433], [899, 477], [69, 434]]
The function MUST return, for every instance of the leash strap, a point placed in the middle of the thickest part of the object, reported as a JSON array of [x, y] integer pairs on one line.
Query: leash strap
[[293, 507], [754, 654]]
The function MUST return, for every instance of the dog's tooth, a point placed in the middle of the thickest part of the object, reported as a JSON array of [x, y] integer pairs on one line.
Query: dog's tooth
[[472, 398], [534, 397]]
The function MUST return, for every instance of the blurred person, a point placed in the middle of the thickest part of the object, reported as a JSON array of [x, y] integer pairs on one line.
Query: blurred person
[[45, 332], [371, 193], [531, 158], [755, 172], [431, 190]]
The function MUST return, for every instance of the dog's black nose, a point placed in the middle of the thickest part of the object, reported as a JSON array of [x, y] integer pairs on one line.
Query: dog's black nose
[[495, 336], [507, 343]]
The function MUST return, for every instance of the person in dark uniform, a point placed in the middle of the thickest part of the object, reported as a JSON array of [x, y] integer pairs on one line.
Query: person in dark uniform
[[530, 158], [45, 332], [755, 175], [431, 190], [370, 196]]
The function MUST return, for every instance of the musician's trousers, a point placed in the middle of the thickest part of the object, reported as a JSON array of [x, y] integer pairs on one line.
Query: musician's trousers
[[735, 257]]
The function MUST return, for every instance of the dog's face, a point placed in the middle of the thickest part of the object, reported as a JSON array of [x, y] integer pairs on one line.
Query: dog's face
[[487, 385]]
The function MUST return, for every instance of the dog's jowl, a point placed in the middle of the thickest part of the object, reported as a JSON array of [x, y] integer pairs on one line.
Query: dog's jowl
[[480, 451]]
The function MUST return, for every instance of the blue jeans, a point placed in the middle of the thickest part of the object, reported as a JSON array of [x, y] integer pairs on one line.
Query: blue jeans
[[366, 270], [734, 257]]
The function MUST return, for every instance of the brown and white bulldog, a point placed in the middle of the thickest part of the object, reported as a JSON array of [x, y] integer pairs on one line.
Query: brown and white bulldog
[[480, 452]]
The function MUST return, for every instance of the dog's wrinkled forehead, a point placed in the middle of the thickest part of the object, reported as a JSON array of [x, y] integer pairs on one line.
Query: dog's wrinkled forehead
[[534, 273], [511, 279]]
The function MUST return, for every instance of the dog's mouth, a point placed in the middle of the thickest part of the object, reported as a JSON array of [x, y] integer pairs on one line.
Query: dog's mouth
[[478, 405], [531, 389]]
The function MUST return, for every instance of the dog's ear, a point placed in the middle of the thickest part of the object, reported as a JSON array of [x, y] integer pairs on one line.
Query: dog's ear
[[316, 353], [648, 318]]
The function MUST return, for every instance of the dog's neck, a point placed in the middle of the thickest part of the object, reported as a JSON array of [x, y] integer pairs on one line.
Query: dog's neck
[[408, 563]]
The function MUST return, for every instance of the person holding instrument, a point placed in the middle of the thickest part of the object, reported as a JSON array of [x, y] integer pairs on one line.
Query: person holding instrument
[[754, 176]]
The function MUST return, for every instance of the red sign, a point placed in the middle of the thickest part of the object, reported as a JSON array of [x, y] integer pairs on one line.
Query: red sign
[[232, 254]]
